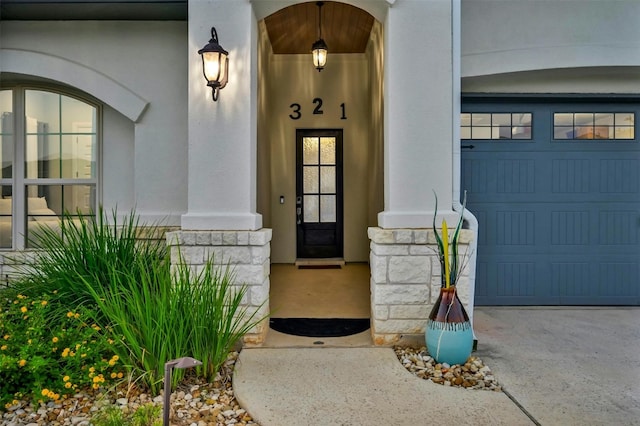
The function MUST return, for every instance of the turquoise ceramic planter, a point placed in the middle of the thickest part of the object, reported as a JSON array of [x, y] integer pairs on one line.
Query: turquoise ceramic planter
[[449, 342], [448, 334]]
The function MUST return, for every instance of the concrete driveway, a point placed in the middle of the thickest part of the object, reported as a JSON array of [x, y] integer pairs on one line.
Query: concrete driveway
[[565, 366]]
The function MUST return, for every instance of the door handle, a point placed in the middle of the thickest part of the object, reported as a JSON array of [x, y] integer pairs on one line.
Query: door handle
[[298, 214]]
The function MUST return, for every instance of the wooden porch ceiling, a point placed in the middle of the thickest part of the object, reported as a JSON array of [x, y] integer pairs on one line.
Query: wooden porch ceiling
[[345, 28]]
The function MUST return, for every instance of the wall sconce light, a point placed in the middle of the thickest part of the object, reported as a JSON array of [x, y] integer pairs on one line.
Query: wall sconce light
[[215, 64], [319, 48]]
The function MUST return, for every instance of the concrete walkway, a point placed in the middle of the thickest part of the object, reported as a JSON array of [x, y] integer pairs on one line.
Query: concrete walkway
[[561, 366], [356, 386]]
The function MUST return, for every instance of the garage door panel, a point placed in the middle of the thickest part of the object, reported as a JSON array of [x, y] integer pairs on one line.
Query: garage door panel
[[558, 219], [569, 228], [618, 227], [514, 280], [618, 176], [573, 279]]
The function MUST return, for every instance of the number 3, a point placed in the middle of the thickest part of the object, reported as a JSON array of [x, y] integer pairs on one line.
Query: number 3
[[296, 114]]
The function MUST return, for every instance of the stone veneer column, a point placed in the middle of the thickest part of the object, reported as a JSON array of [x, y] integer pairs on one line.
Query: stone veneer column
[[405, 281], [248, 252]]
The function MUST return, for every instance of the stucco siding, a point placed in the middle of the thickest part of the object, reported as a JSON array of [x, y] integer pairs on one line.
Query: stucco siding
[[145, 62], [509, 36]]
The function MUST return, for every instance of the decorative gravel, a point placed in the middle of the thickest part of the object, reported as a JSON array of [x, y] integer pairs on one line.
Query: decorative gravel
[[472, 375], [207, 404], [192, 404]]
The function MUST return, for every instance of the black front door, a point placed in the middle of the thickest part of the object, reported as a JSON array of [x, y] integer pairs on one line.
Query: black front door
[[319, 193]]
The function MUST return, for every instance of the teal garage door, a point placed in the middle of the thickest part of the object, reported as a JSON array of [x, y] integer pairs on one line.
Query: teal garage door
[[555, 185]]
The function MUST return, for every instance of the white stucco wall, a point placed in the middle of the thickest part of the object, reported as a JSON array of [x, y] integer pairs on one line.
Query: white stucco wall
[[138, 69], [501, 36], [600, 80], [418, 102], [222, 135]]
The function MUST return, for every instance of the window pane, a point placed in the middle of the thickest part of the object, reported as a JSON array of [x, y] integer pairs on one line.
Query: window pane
[[625, 119], [563, 132], [465, 133], [501, 132], [77, 116], [47, 203], [465, 119], [583, 119], [311, 180], [563, 119], [521, 119], [602, 132], [327, 208], [501, 120], [43, 157], [521, 132], [6, 112], [481, 120], [311, 208], [42, 110], [6, 219], [603, 119], [6, 133], [624, 133], [328, 150], [310, 150], [328, 180], [77, 156], [583, 132], [481, 133]]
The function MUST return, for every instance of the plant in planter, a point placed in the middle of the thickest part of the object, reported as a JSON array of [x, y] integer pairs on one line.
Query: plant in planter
[[448, 334]]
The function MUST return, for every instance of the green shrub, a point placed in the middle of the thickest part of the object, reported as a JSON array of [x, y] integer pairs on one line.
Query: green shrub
[[85, 247], [150, 312], [46, 361], [146, 415], [162, 316]]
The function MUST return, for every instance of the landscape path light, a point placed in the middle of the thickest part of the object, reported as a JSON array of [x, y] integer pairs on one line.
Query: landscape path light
[[186, 362]]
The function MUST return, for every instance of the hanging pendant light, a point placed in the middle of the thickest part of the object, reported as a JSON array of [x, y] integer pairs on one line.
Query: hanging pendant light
[[319, 48]]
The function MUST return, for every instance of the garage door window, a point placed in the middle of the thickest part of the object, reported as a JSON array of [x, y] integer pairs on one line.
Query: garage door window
[[495, 125], [594, 125]]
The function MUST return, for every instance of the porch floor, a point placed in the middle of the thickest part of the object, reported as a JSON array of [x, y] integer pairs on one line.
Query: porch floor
[[319, 293]]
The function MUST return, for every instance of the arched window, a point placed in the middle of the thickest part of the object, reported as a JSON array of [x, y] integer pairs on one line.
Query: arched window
[[49, 157]]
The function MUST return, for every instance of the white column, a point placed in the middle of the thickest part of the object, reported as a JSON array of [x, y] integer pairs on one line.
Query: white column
[[418, 114], [222, 134]]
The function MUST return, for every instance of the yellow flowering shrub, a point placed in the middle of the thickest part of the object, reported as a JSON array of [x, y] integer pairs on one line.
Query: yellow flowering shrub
[[31, 363]]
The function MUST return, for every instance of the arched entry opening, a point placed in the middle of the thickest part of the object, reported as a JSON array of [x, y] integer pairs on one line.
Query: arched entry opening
[[320, 156]]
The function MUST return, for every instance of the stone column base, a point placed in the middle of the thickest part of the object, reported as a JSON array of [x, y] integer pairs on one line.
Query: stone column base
[[405, 282], [248, 252]]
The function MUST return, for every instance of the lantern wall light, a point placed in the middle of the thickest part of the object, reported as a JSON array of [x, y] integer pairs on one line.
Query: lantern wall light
[[215, 64], [319, 48]]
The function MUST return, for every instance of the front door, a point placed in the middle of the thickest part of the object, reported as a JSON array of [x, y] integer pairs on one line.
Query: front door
[[319, 193]]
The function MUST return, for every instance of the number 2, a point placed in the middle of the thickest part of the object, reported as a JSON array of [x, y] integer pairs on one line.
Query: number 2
[[318, 108]]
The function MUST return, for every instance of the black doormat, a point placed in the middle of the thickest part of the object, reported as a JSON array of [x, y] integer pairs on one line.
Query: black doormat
[[320, 327]]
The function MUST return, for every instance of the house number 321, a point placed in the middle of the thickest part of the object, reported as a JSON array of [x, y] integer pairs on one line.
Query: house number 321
[[296, 109]]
